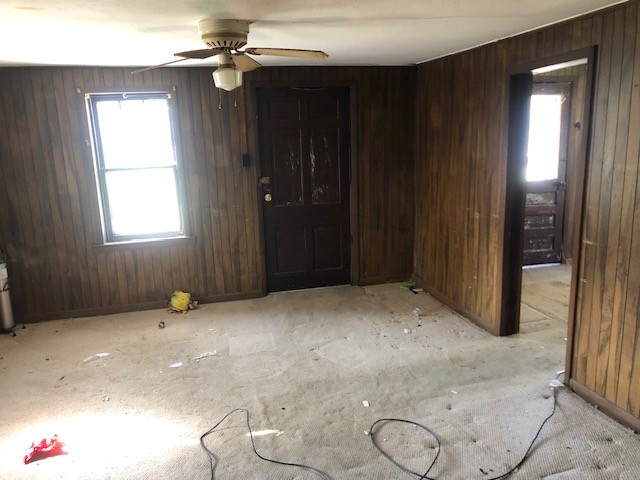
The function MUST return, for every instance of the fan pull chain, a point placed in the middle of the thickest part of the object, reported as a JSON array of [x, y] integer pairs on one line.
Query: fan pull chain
[[219, 100]]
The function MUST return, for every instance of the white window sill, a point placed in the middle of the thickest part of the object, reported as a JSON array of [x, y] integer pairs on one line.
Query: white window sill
[[145, 243]]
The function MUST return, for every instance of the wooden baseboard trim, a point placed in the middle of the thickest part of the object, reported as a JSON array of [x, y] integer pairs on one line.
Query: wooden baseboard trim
[[136, 307], [231, 297], [381, 280], [481, 322], [606, 406]]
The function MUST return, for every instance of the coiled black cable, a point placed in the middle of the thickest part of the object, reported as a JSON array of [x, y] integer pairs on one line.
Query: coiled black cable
[[425, 476], [253, 445]]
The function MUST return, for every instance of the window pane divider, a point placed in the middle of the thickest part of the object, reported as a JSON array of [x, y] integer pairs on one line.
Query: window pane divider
[[136, 169]]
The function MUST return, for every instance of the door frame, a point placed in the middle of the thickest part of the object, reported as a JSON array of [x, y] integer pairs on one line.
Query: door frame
[[514, 201], [253, 140]]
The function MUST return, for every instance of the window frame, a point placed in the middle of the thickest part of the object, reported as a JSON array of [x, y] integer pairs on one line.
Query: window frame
[[91, 99]]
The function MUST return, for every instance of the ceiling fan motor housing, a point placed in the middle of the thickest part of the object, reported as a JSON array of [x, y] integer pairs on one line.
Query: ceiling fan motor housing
[[224, 33]]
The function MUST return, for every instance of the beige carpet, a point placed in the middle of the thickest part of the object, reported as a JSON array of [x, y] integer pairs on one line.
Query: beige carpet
[[303, 363], [545, 297]]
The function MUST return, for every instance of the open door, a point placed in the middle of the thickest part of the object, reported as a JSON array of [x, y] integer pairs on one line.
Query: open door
[[546, 172]]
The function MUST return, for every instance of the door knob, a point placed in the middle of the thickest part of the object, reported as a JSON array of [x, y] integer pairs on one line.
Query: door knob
[[267, 197]]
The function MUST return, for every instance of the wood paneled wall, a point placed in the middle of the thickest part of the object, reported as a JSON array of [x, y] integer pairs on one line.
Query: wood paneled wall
[[382, 153], [49, 222], [50, 225], [460, 174], [459, 167]]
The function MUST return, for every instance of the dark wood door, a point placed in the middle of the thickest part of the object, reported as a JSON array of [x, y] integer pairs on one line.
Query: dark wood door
[[304, 160], [545, 194]]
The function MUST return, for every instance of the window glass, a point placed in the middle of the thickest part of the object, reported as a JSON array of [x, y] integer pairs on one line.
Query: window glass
[[143, 201], [136, 165], [135, 133], [544, 137]]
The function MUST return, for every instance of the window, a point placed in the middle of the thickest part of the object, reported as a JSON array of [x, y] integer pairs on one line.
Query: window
[[544, 137], [137, 167]]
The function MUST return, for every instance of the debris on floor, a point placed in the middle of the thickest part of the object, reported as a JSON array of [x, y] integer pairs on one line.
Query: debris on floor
[[407, 330], [106, 398], [205, 355], [44, 449], [181, 302], [175, 365], [417, 312], [262, 433], [161, 325], [97, 356], [365, 403], [411, 288]]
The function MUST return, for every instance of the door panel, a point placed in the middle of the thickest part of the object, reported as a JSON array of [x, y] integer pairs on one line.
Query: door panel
[[286, 176], [304, 159], [290, 250], [324, 156], [326, 258], [544, 201]]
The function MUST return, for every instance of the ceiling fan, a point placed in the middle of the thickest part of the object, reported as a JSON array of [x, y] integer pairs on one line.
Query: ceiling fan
[[224, 38]]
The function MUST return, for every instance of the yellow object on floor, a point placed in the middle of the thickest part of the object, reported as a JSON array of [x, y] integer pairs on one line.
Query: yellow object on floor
[[181, 302]]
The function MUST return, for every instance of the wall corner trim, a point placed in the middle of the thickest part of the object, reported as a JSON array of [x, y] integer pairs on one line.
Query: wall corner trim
[[469, 315], [605, 405]]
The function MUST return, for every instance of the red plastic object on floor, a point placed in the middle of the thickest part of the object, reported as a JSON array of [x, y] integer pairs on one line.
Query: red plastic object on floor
[[44, 449]]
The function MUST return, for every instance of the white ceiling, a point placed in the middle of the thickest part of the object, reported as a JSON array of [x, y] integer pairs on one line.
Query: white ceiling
[[355, 32]]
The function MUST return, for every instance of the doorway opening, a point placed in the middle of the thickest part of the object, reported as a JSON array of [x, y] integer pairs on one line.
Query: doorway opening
[[553, 149], [549, 111]]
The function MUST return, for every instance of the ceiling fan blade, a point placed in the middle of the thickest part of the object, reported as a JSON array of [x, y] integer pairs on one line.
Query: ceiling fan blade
[[244, 63], [145, 69], [287, 52], [189, 55], [199, 54]]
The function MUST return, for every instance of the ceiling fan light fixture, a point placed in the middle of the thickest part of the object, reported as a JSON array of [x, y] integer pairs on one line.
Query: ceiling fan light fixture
[[227, 78], [224, 39]]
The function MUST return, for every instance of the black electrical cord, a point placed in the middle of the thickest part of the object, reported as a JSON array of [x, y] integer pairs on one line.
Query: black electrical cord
[[402, 467], [407, 470], [425, 476], [253, 445]]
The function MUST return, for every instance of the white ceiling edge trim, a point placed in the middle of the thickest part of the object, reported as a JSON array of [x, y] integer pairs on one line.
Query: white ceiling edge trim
[[584, 14]]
